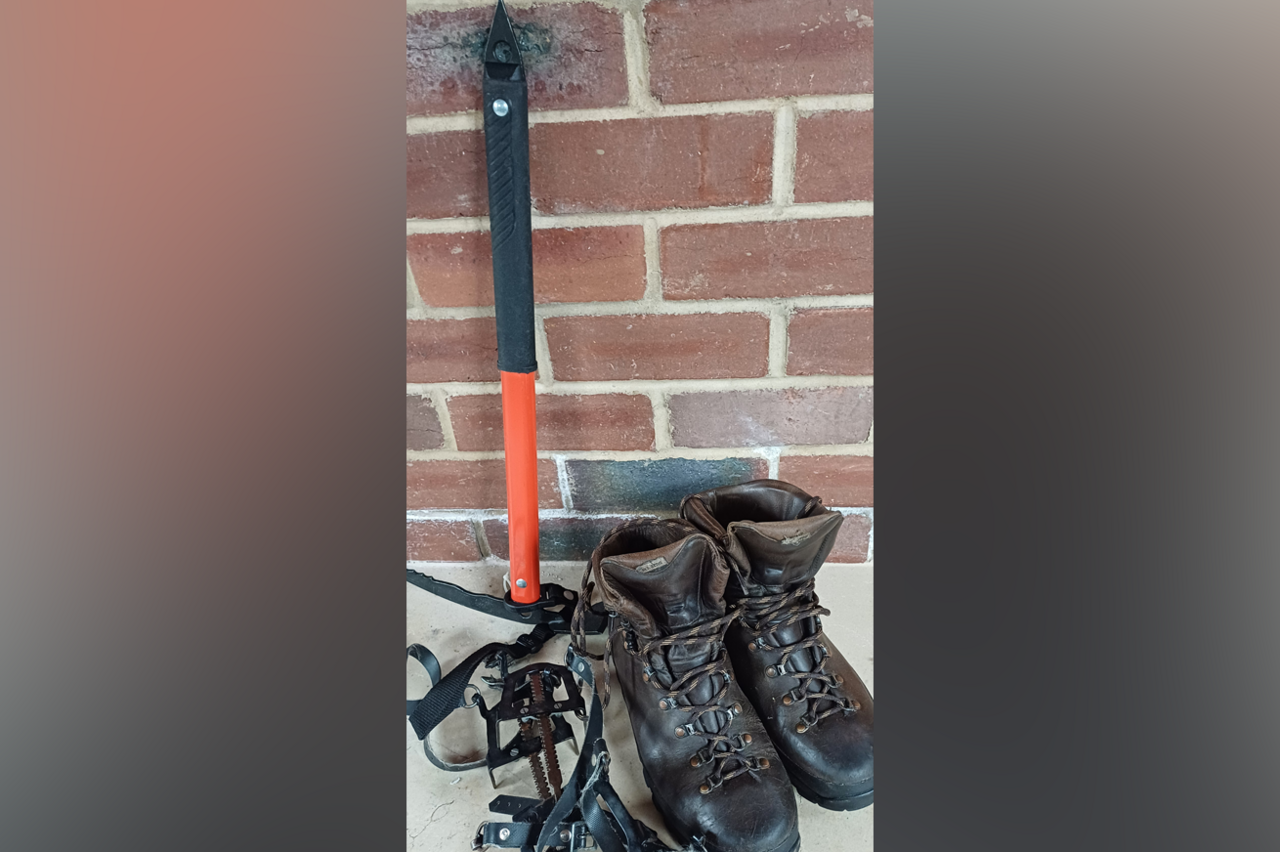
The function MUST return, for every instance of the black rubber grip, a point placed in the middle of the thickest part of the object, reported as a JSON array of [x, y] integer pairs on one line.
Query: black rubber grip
[[506, 139]]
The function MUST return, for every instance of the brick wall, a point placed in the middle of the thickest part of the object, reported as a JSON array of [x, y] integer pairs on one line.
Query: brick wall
[[702, 184]]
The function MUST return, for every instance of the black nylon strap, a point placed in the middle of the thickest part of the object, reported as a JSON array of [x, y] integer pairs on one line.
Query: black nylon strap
[[518, 834], [446, 696]]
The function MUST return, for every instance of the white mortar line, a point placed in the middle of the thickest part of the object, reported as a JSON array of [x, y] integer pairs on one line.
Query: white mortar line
[[770, 455], [421, 515], [778, 318], [413, 298], [670, 452], [663, 218], [562, 475], [662, 439], [542, 350], [652, 267], [482, 540], [666, 307], [639, 97], [413, 516], [640, 386], [642, 105], [784, 156], [440, 400]]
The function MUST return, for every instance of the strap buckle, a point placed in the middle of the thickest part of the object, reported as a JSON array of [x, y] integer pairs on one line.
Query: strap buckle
[[578, 837], [477, 842]]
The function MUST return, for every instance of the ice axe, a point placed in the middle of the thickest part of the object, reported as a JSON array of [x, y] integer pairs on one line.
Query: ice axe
[[506, 131], [506, 139]]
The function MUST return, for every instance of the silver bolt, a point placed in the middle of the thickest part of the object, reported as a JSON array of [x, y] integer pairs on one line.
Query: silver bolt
[[519, 583], [515, 752], [504, 834], [501, 107], [564, 835]]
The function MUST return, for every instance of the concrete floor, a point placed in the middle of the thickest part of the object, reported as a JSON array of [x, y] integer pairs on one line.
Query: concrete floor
[[443, 809]]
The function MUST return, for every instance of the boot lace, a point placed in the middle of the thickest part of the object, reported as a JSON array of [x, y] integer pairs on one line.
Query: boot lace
[[722, 752], [764, 616]]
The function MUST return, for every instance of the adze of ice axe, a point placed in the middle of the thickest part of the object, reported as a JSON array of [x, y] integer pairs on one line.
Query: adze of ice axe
[[506, 140]]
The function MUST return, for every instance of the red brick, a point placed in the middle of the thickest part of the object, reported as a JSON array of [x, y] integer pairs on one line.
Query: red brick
[[767, 259], [834, 157], [831, 342], [446, 175], [718, 50], [478, 484], [441, 541], [590, 422], [558, 538], [853, 542], [652, 485], [694, 346], [839, 480], [452, 350], [423, 425], [771, 418], [652, 163], [581, 265], [573, 55]]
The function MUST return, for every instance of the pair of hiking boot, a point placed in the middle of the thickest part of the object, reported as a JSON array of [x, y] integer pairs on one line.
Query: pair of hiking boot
[[734, 692]]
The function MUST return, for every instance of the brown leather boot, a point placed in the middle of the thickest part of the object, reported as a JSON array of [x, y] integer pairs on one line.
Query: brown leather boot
[[708, 762], [813, 704]]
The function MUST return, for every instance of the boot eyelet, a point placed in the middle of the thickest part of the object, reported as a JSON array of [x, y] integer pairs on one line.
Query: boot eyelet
[[764, 763], [839, 680], [801, 728], [737, 708], [664, 704], [704, 789], [746, 738], [680, 733], [787, 700], [857, 705], [695, 761]]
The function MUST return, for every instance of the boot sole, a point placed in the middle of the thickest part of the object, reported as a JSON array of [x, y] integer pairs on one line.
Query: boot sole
[[852, 803], [791, 844]]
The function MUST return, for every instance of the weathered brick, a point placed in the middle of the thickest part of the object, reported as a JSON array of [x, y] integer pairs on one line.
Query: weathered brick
[[441, 541], [831, 342], [767, 259], [452, 350], [652, 163], [717, 50], [834, 157], [651, 346], [587, 422], [446, 175], [657, 485], [581, 265], [770, 418], [839, 480], [573, 55], [476, 484], [424, 432], [853, 541], [558, 538]]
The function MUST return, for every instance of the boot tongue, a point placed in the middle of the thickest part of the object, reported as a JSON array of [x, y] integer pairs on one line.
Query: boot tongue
[[678, 585], [783, 554]]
